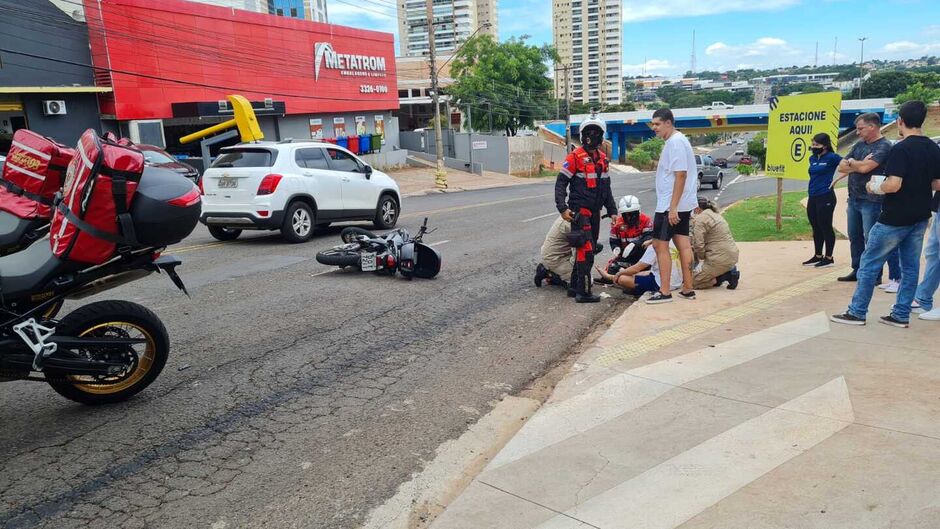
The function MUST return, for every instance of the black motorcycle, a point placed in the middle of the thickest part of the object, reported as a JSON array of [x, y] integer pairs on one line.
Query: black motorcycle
[[396, 251]]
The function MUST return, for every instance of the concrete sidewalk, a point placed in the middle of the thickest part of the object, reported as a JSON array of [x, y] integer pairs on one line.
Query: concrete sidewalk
[[741, 409], [415, 181]]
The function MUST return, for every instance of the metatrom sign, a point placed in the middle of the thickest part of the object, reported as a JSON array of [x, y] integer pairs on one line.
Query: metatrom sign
[[347, 64], [793, 122]]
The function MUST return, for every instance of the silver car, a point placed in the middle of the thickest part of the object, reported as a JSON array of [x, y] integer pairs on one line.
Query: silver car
[[708, 172]]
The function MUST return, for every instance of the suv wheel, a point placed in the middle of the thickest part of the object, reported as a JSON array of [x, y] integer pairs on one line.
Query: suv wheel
[[224, 234], [386, 215], [298, 223], [717, 183]]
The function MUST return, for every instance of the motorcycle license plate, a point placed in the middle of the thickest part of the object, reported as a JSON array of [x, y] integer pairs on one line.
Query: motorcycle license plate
[[228, 183], [367, 262]]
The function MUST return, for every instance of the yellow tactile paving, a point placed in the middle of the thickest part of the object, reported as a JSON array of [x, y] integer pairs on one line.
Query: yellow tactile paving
[[687, 330]]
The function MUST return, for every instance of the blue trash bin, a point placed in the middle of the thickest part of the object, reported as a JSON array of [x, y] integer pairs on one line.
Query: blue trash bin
[[365, 143], [343, 142]]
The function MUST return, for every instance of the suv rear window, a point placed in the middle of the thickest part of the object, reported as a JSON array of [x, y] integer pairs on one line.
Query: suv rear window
[[698, 159], [245, 158]]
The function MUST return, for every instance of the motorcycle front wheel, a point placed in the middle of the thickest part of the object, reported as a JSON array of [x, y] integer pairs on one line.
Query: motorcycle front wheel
[[339, 256], [143, 362]]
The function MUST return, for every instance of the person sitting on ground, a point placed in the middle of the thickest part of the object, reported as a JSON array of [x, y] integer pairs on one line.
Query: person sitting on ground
[[714, 248], [557, 257], [634, 279], [630, 231]]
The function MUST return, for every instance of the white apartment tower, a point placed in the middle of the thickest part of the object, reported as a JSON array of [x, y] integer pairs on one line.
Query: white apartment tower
[[588, 35], [454, 20]]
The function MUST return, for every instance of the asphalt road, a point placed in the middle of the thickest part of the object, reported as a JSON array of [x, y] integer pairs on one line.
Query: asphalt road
[[298, 395]]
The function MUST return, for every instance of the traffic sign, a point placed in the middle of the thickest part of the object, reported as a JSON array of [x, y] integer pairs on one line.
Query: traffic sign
[[793, 122]]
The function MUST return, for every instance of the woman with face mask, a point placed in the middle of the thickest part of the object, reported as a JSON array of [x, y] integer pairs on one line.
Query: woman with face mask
[[822, 199]]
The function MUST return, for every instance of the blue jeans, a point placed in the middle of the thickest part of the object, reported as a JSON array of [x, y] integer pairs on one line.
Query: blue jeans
[[863, 214], [928, 286], [883, 240]]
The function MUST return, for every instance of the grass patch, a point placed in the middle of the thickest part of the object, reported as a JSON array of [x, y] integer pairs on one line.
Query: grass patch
[[752, 219]]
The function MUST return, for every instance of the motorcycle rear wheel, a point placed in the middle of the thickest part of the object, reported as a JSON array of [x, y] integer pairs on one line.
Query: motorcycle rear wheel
[[338, 257], [144, 361]]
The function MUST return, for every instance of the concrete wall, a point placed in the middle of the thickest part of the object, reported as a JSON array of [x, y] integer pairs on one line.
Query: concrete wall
[[525, 155], [424, 141], [450, 163], [51, 34], [495, 157], [552, 152], [385, 161]]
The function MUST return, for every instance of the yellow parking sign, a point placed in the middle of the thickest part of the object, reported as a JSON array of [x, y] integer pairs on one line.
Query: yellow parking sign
[[792, 123]]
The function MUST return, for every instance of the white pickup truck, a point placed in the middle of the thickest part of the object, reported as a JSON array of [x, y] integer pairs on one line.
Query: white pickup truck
[[718, 105]]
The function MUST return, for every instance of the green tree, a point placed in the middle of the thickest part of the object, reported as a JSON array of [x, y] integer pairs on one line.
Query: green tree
[[757, 149], [508, 79], [653, 147], [640, 159], [886, 84], [918, 92]]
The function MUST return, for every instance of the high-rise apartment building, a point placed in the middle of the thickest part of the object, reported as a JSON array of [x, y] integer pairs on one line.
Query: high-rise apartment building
[[588, 35], [454, 22]]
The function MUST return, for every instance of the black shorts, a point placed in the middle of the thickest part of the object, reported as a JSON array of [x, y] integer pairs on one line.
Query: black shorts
[[663, 231]]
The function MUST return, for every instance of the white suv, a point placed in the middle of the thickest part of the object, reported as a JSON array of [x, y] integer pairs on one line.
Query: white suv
[[293, 187]]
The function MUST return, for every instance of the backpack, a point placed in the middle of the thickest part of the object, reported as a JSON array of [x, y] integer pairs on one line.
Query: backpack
[[32, 175], [92, 220]]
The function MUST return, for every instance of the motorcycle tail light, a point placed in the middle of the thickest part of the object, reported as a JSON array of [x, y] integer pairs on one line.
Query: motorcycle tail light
[[390, 261]]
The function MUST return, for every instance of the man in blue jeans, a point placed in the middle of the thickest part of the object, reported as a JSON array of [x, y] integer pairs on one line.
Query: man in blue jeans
[[923, 299], [867, 158], [913, 170]]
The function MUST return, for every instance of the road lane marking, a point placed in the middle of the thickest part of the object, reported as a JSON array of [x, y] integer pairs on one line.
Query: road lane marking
[[541, 216], [626, 392], [195, 247], [673, 492], [438, 243]]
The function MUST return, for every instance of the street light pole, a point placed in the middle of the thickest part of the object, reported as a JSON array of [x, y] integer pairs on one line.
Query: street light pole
[[861, 65], [440, 175]]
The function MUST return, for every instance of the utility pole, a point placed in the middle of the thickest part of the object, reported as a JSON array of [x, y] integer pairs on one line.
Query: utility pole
[[693, 53], [861, 65], [440, 175], [470, 134], [816, 60], [835, 50], [566, 68]]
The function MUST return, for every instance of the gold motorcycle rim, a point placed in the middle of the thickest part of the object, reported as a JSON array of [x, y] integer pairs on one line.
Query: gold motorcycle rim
[[145, 354]]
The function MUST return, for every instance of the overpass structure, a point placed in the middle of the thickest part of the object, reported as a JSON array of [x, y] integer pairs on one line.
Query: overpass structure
[[624, 126]]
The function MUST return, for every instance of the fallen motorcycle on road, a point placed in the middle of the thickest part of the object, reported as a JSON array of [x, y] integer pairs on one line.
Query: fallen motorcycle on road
[[394, 252]]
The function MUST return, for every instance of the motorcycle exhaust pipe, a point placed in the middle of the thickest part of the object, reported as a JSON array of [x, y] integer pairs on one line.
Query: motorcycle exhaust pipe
[[109, 282]]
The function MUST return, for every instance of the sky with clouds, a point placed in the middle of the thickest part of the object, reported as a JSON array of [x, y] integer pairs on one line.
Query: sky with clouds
[[729, 34]]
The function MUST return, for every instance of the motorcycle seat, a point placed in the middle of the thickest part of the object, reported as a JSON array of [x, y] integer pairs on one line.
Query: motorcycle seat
[[13, 228], [25, 272]]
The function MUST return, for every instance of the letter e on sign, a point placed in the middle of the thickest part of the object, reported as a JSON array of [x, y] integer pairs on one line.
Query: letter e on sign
[[798, 149]]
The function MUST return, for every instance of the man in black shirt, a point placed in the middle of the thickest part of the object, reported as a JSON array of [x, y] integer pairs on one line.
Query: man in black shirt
[[913, 172]]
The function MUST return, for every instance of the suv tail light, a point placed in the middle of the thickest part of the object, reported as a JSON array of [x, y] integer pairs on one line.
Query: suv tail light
[[202, 191], [269, 184]]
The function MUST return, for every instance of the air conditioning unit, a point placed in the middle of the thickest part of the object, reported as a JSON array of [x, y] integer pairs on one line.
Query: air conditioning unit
[[53, 108]]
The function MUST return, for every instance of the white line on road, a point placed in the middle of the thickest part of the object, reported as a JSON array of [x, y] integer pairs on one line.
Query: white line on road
[[541, 216], [438, 243], [731, 183], [673, 492], [622, 393]]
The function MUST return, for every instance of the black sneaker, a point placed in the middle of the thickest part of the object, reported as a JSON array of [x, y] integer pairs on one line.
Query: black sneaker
[[585, 297], [687, 295], [735, 278], [812, 261], [894, 322], [658, 297], [825, 262], [603, 281], [846, 319], [849, 277], [541, 274]]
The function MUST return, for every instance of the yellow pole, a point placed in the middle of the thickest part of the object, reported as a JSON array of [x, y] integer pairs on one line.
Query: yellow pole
[[209, 131]]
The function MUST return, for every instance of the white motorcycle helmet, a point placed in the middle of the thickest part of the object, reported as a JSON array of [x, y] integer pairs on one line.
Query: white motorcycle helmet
[[592, 132], [628, 204]]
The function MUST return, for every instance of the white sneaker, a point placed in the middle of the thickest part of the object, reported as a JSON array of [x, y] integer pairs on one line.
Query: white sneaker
[[884, 285], [916, 308], [933, 315], [892, 287]]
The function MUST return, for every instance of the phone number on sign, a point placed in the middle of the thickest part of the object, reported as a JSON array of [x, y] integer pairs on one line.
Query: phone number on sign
[[373, 89]]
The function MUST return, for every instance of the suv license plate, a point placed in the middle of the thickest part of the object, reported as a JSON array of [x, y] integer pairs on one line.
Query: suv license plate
[[227, 183], [367, 262]]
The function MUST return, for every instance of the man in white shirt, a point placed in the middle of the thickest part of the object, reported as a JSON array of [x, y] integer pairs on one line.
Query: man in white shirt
[[676, 183], [635, 281]]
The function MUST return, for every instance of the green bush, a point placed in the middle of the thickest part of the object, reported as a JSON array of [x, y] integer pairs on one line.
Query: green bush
[[653, 147], [640, 159], [918, 92], [744, 169]]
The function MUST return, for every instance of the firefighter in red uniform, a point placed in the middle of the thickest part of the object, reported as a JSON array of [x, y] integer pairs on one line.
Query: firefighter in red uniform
[[631, 226], [581, 190]]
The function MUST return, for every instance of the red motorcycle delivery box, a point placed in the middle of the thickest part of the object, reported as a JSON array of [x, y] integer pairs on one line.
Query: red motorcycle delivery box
[[32, 175]]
